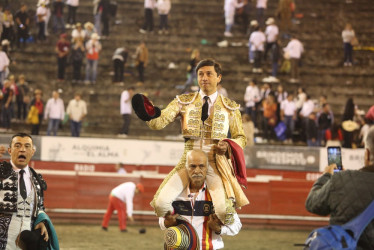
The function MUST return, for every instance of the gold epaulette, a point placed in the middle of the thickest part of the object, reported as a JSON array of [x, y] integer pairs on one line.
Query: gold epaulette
[[229, 104], [187, 98]]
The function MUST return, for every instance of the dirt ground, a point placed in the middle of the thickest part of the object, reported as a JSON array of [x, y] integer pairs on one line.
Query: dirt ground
[[74, 237]]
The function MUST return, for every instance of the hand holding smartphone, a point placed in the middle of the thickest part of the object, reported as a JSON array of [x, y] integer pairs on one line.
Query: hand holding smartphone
[[334, 155]]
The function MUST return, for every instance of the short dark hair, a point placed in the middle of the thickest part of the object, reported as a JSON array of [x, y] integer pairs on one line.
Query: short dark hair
[[210, 62], [20, 135]]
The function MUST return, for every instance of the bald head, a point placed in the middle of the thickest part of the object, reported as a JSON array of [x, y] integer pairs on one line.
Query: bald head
[[369, 145]]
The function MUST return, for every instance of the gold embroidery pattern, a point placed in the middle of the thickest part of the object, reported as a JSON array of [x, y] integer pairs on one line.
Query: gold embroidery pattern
[[187, 98], [229, 104]]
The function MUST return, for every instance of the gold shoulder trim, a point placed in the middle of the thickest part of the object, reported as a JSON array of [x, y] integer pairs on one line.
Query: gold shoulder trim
[[187, 98], [229, 104]]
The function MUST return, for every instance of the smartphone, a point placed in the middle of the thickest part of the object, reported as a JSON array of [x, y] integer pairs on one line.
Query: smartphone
[[334, 155]]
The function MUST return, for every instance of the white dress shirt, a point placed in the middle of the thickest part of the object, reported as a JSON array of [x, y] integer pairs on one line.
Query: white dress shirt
[[271, 32], [251, 96], [54, 109], [125, 103], [76, 110], [307, 108], [212, 99], [257, 40], [149, 4], [261, 4], [294, 49], [125, 192], [26, 177], [288, 107]]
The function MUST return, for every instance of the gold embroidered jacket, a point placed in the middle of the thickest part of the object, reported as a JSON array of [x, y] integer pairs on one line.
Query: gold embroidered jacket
[[225, 117]]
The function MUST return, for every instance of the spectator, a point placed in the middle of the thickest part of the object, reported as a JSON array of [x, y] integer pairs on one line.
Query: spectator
[[244, 14], [345, 194], [191, 72], [301, 98], [77, 56], [89, 29], [38, 104], [348, 34], [141, 57], [348, 115], [270, 116], [335, 134], [230, 8], [288, 116], [364, 132], [261, 6], [149, 5], [257, 40], [251, 54], [163, 7], [104, 9], [119, 61], [284, 13], [120, 195], [78, 33], [62, 50], [294, 50], [97, 17], [324, 124], [249, 128], [311, 130], [126, 110], [271, 33], [22, 98], [120, 168], [280, 94], [4, 63], [1, 20], [370, 115], [47, 16], [41, 14], [251, 97], [93, 49], [72, 10], [7, 105], [22, 21], [58, 16], [54, 112], [7, 26], [76, 110]]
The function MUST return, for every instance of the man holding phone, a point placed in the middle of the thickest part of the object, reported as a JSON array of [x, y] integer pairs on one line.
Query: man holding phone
[[345, 194]]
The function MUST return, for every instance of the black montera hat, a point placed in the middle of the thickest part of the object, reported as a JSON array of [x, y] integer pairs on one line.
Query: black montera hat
[[143, 108]]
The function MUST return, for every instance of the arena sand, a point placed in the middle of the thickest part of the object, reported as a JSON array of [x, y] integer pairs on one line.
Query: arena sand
[[74, 237]]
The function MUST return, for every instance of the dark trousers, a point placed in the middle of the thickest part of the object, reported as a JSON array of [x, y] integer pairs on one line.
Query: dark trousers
[[148, 23], [126, 123], [105, 22], [164, 22], [6, 115], [295, 68], [141, 71], [41, 34], [119, 69], [251, 111], [21, 108], [77, 66], [22, 36], [75, 128], [348, 49], [268, 47], [61, 65], [72, 10], [258, 57]]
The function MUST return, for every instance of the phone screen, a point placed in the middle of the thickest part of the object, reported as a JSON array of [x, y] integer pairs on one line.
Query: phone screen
[[334, 155]]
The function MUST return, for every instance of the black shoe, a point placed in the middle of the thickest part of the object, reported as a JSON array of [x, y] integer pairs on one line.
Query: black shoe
[[104, 228], [124, 231]]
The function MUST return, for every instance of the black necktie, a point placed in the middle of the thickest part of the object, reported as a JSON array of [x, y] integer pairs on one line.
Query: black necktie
[[204, 112], [22, 186]]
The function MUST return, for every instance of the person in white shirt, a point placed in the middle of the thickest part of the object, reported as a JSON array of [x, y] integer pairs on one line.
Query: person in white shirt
[[271, 33], [4, 63], [163, 7], [72, 10], [230, 7], [149, 5], [77, 110], [251, 97], [126, 110], [348, 34], [78, 33], [288, 115], [195, 205], [41, 13], [54, 112], [120, 195], [261, 7], [257, 41], [294, 50]]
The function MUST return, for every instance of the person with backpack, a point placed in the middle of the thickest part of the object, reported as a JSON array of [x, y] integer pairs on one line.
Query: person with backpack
[[345, 194]]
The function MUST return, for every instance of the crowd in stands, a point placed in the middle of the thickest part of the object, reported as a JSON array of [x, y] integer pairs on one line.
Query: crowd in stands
[[275, 114]]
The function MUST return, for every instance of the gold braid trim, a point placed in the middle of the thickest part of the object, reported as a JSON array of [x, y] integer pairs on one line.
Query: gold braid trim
[[187, 98], [229, 104]]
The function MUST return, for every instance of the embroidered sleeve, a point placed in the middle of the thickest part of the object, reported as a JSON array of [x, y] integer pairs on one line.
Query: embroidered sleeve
[[167, 116]]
